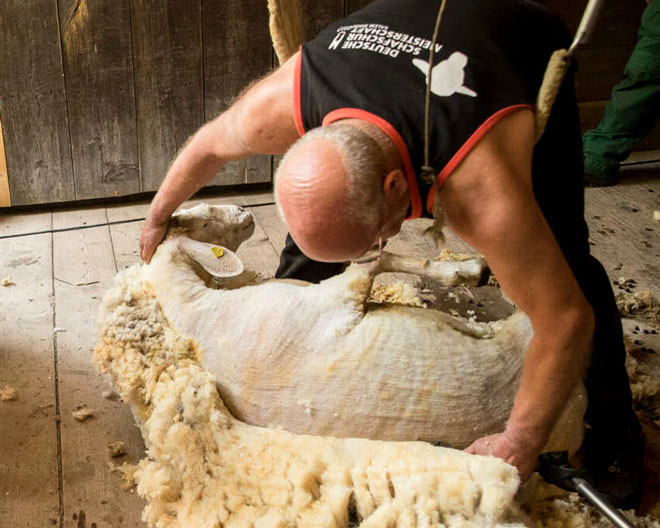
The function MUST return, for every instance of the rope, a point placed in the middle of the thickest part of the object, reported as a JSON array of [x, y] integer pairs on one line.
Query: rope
[[552, 81], [286, 28], [429, 174]]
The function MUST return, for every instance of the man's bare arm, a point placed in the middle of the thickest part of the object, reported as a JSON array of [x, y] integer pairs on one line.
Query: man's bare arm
[[490, 203], [259, 122]]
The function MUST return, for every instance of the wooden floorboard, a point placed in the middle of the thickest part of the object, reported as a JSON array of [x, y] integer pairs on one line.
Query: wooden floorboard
[[29, 462], [83, 267], [624, 235], [125, 237], [268, 217]]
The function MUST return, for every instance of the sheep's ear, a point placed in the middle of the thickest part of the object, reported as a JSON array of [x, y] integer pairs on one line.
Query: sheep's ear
[[217, 260]]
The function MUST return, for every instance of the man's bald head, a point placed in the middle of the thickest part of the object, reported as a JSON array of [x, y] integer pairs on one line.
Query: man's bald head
[[328, 190]]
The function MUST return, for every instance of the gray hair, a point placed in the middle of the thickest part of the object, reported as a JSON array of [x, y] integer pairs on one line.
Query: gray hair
[[364, 161]]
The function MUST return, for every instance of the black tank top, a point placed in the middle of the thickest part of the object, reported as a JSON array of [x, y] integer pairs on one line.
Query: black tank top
[[489, 61]]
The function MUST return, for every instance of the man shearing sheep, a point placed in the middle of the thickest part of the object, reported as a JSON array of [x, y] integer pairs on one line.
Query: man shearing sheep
[[348, 111]]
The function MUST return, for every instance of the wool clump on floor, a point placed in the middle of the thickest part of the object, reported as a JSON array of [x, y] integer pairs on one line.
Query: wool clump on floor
[[641, 305], [82, 413], [7, 394]]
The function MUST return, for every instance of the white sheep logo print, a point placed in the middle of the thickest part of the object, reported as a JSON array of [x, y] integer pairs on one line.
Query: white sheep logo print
[[448, 75]]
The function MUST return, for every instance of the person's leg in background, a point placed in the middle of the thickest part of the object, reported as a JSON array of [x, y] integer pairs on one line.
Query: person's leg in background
[[295, 265], [634, 106], [614, 444]]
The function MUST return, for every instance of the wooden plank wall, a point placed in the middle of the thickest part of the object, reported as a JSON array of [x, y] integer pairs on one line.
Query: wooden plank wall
[[33, 103], [167, 53], [242, 27], [100, 97], [97, 97]]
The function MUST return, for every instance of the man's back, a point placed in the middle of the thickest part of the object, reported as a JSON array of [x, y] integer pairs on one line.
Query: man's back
[[490, 59]]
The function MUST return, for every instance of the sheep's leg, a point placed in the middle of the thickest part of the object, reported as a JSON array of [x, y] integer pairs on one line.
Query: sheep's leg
[[473, 272], [467, 327]]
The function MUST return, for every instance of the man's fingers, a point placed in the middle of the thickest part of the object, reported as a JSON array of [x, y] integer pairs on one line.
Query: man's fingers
[[150, 237], [146, 253]]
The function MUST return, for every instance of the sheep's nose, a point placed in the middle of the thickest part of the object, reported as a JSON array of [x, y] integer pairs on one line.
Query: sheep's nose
[[241, 209]]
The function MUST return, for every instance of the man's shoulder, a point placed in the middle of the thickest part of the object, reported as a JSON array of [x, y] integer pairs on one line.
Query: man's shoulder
[[265, 111]]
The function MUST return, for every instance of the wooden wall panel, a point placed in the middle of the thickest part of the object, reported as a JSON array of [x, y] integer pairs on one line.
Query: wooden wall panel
[[96, 41], [317, 15], [167, 52], [237, 51], [354, 5], [33, 104]]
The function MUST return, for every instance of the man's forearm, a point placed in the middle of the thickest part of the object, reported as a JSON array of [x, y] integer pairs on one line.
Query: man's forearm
[[195, 165], [553, 365]]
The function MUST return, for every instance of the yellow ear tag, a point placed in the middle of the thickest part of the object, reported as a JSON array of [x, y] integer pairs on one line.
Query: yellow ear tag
[[217, 251]]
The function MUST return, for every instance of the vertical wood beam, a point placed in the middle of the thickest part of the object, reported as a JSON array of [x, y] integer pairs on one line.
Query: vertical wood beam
[[167, 52], [98, 65], [33, 103], [237, 51]]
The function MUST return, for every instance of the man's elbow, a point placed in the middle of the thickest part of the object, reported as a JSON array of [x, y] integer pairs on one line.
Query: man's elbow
[[584, 319], [579, 323]]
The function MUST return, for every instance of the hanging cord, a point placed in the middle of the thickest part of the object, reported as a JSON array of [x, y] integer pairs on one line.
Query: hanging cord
[[559, 63], [429, 174], [552, 81]]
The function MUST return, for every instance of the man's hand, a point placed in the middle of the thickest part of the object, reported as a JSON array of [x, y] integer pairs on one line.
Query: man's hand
[[516, 452], [152, 234]]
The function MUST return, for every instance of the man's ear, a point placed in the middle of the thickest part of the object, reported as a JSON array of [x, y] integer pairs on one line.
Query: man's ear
[[394, 185]]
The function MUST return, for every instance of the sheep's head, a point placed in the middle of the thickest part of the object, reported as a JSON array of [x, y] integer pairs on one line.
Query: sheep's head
[[208, 235], [224, 225]]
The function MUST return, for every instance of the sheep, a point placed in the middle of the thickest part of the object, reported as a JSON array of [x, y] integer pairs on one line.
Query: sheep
[[326, 361], [278, 403]]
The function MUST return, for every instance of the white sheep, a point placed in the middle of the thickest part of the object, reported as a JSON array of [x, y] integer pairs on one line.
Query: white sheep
[[321, 359], [316, 359]]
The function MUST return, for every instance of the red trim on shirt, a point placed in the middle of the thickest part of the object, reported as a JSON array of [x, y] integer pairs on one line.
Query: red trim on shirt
[[469, 145], [297, 110], [409, 171]]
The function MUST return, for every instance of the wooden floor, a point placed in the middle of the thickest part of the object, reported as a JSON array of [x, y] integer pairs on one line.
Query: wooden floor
[[54, 469]]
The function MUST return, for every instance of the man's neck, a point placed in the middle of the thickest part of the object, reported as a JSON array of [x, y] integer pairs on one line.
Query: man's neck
[[391, 153]]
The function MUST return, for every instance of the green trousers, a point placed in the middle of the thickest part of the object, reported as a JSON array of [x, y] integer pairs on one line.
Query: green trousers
[[634, 107]]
